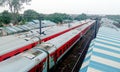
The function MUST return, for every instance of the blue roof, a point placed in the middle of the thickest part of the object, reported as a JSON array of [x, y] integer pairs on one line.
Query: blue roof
[[104, 52]]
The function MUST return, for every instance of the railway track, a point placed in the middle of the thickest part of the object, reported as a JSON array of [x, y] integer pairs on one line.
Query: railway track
[[72, 61]]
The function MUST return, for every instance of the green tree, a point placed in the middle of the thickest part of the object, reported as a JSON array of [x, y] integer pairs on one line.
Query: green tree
[[30, 15], [5, 17], [1, 24], [81, 17], [58, 17], [1, 20], [14, 6], [114, 17]]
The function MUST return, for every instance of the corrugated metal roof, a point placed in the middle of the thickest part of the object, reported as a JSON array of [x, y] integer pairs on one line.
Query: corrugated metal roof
[[104, 52]]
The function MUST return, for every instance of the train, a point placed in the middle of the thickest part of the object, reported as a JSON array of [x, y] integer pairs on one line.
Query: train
[[11, 45], [44, 56]]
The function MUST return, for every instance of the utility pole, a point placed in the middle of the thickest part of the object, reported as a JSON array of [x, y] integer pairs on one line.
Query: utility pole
[[69, 25], [40, 22]]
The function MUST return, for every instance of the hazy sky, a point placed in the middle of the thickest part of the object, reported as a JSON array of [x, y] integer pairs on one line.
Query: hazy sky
[[74, 6]]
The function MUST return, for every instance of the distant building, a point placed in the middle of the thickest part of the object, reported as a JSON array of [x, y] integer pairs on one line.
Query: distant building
[[2, 32], [46, 23]]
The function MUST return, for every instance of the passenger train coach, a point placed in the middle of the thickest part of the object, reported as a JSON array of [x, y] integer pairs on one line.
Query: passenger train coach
[[11, 46], [45, 55]]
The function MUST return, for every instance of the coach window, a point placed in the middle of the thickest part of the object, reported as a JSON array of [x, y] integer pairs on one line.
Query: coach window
[[67, 45], [17, 53], [37, 70], [6, 58], [60, 52]]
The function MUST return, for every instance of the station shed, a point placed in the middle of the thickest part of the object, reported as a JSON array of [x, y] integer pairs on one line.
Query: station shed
[[103, 54]]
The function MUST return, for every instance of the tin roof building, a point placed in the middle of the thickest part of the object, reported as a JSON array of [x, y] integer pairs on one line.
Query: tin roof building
[[103, 54]]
